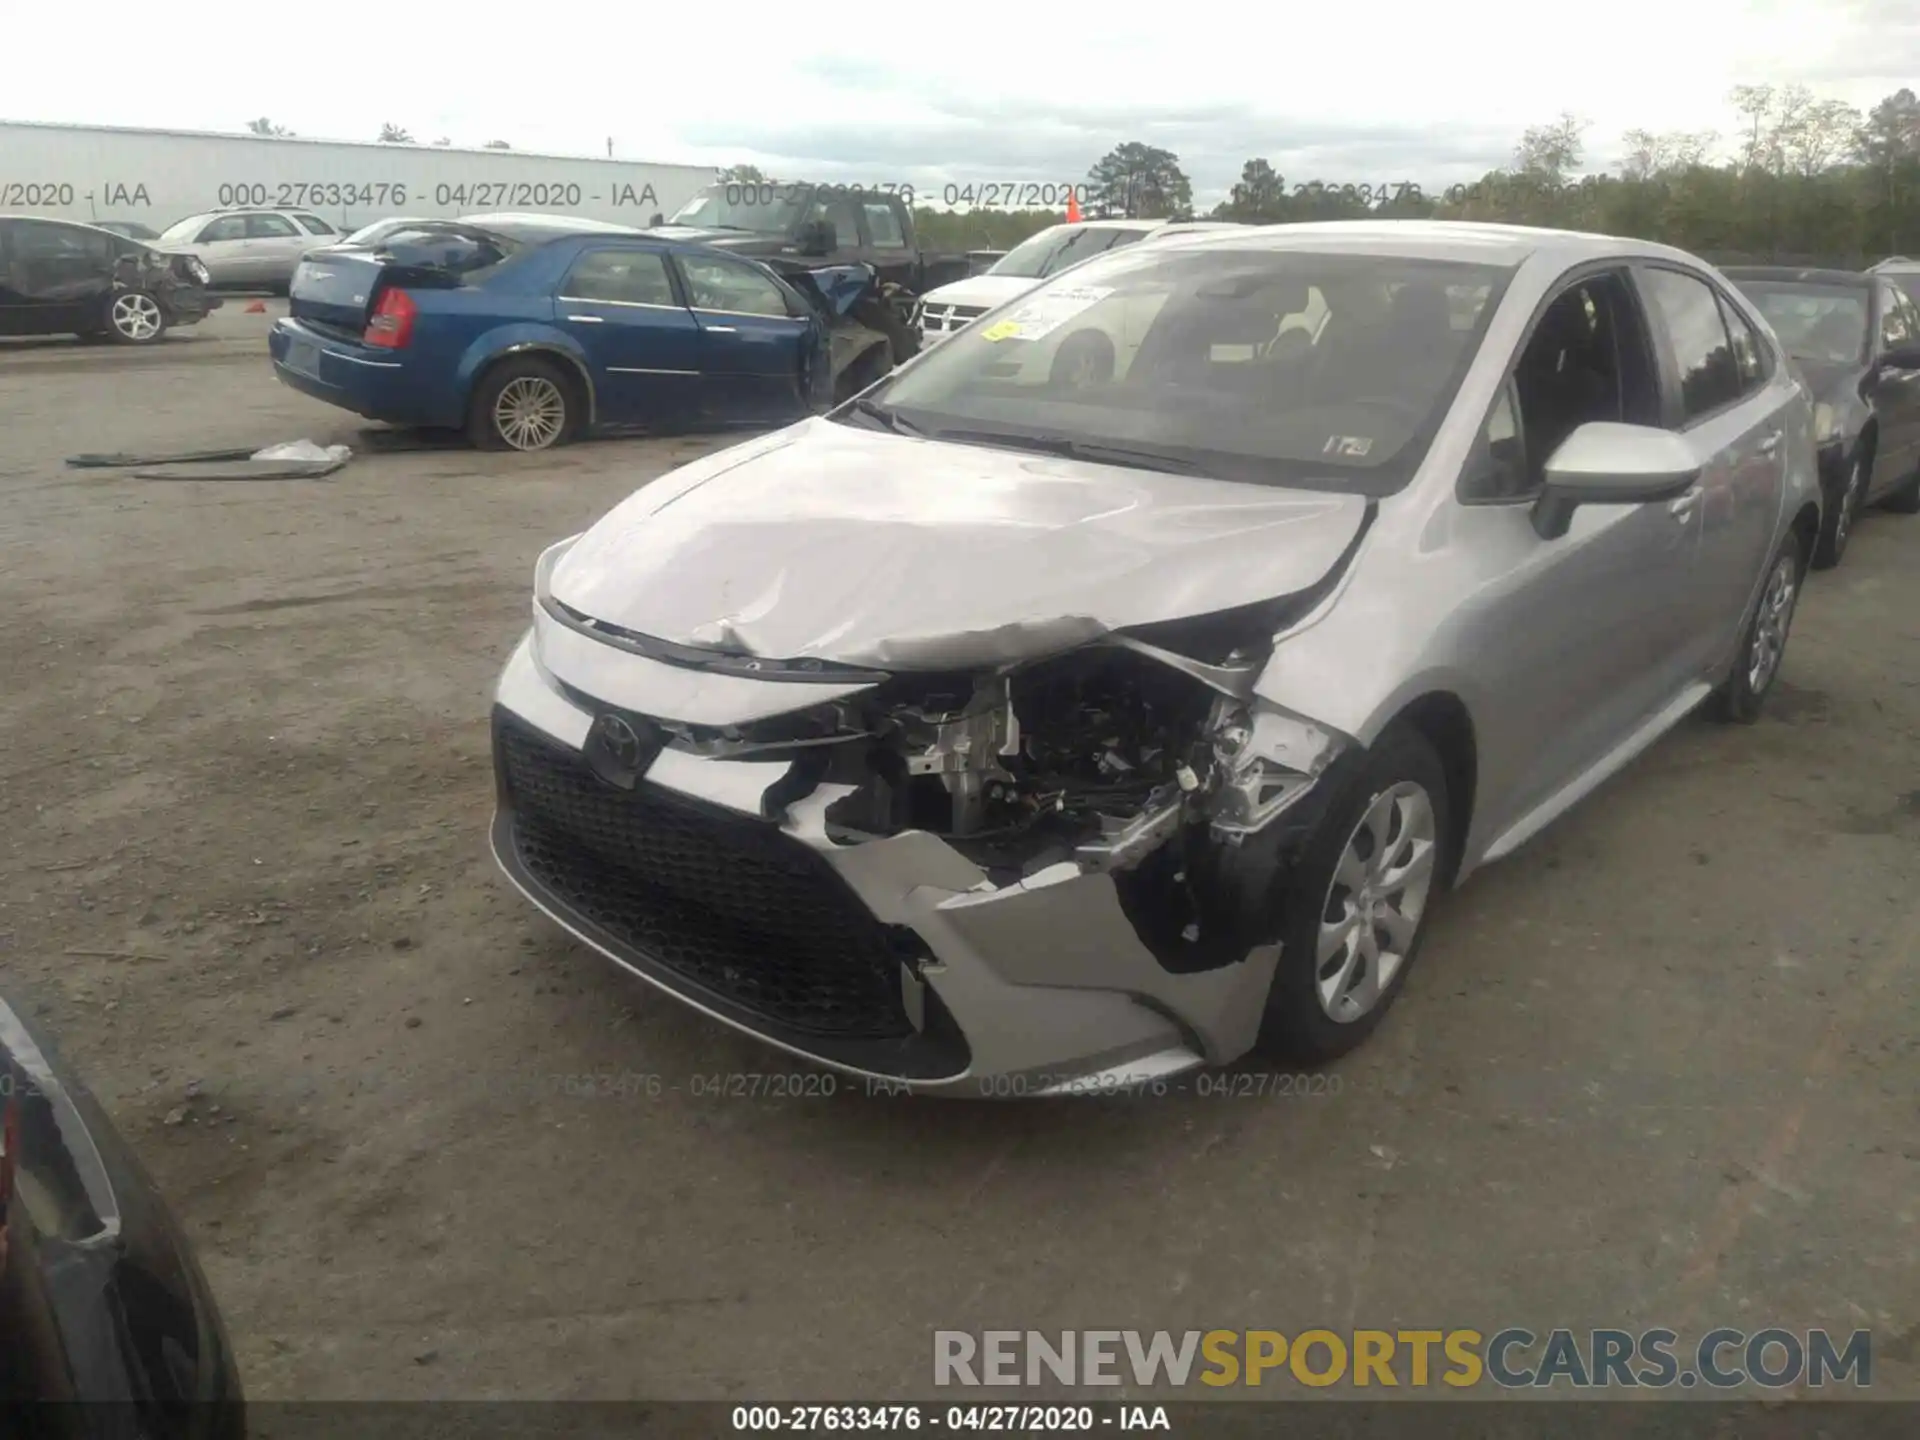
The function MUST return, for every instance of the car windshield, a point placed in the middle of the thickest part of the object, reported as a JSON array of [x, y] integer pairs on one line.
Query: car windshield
[[455, 249], [184, 229], [1826, 323], [770, 209], [1283, 367], [1059, 246]]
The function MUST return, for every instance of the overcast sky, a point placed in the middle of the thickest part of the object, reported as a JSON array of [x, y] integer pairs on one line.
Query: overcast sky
[[934, 94]]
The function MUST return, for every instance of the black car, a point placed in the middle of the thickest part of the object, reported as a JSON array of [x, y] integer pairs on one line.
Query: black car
[[1856, 340], [101, 1300], [132, 229], [58, 277]]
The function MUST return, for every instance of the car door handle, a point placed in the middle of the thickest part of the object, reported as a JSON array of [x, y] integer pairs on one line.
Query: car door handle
[[589, 319], [723, 329], [1683, 507], [1770, 444]]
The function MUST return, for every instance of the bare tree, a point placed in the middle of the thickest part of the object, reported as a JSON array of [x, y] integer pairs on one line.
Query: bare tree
[[498, 145], [1551, 152], [392, 134], [264, 126]]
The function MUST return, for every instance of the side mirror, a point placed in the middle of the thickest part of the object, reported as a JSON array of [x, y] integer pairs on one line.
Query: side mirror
[[1901, 357], [1606, 463], [817, 237]]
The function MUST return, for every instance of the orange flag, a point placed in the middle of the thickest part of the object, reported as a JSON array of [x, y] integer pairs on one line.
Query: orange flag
[[1073, 209]]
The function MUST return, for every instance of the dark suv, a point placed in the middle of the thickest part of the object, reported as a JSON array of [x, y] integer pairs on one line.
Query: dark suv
[[58, 277]]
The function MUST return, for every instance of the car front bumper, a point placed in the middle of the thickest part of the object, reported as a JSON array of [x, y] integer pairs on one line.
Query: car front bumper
[[1035, 988]]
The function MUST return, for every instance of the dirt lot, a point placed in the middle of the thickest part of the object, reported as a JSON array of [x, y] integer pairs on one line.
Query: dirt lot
[[1658, 1070]]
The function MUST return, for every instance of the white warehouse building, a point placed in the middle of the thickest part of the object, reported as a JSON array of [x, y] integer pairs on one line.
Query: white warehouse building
[[155, 177]]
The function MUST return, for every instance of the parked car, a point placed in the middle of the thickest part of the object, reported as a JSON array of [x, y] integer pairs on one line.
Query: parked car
[[997, 738], [954, 306], [58, 277], [1856, 339], [248, 249], [101, 1299], [132, 229], [528, 330], [822, 226]]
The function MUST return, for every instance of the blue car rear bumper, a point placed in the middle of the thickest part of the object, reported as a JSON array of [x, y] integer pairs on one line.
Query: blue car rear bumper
[[378, 384]]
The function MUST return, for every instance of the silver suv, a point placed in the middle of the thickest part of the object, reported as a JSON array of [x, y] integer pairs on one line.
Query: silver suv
[[248, 248]]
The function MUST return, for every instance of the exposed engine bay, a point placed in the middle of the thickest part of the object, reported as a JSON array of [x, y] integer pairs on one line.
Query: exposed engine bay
[[1118, 757]]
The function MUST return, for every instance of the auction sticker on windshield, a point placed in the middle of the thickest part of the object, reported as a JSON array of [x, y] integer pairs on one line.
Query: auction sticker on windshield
[[1046, 313]]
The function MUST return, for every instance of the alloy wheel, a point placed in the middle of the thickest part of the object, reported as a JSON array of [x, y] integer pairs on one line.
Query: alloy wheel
[[1375, 902], [1771, 624], [530, 412], [136, 316]]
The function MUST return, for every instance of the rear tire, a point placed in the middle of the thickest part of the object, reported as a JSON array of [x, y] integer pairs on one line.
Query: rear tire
[[135, 318], [1355, 904], [1763, 646], [523, 404]]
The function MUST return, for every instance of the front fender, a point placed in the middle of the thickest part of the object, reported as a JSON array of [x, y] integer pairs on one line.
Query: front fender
[[524, 338]]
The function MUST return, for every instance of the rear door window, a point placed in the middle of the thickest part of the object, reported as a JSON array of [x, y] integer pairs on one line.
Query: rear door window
[[269, 227], [1750, 352], [1703, 356], [313, 224], [883, 226], [620, 277], [227, 227]]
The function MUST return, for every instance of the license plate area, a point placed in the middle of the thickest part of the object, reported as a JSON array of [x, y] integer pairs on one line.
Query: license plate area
[[303, 358]]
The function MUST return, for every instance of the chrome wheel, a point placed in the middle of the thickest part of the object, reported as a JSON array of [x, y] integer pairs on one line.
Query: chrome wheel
[[1374, 905], [530, 412], [1849, 502], [136, 316], [1770, 626]]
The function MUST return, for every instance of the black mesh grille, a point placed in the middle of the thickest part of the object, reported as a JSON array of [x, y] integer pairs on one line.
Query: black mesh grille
[[726, 902]]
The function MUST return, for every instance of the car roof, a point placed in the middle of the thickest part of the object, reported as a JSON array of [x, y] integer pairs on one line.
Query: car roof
[[1805, 275], [530, 220], [78, 224], [1465, 240]]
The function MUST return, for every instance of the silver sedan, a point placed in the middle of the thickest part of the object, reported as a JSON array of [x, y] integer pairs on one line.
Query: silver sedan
[[1000, 734]]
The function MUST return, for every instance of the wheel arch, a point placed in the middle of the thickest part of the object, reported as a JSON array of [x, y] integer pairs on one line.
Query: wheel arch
[[1442, 719], [1806, 529], [482, 359]]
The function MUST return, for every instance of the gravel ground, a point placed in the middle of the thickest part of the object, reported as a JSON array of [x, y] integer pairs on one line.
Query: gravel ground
[[1659, 1069]]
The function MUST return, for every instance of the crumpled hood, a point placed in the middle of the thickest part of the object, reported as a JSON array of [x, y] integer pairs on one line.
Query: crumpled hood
[[832, 543]]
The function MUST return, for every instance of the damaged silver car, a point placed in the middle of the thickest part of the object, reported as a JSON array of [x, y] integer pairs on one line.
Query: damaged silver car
[[1024, 727]]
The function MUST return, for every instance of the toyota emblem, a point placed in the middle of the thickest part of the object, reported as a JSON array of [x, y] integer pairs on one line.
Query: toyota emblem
[[622, 741]]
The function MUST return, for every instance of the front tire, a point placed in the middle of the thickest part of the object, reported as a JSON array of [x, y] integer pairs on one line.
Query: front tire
[[1837, 528], [527, 404], [135, 318], [1356, 903], [1763, 646]]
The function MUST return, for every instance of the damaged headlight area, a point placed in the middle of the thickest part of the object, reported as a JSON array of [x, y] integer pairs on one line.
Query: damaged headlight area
[[1113, 757]]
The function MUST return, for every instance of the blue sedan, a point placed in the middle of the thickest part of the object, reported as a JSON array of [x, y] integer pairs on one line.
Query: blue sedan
[[527, 331]]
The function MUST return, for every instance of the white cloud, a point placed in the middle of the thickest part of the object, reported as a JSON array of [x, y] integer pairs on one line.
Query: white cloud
[[1395, 91]]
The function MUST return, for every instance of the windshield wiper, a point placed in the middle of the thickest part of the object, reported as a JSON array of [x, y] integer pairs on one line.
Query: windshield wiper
[[1096, 451], [890, 419]]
